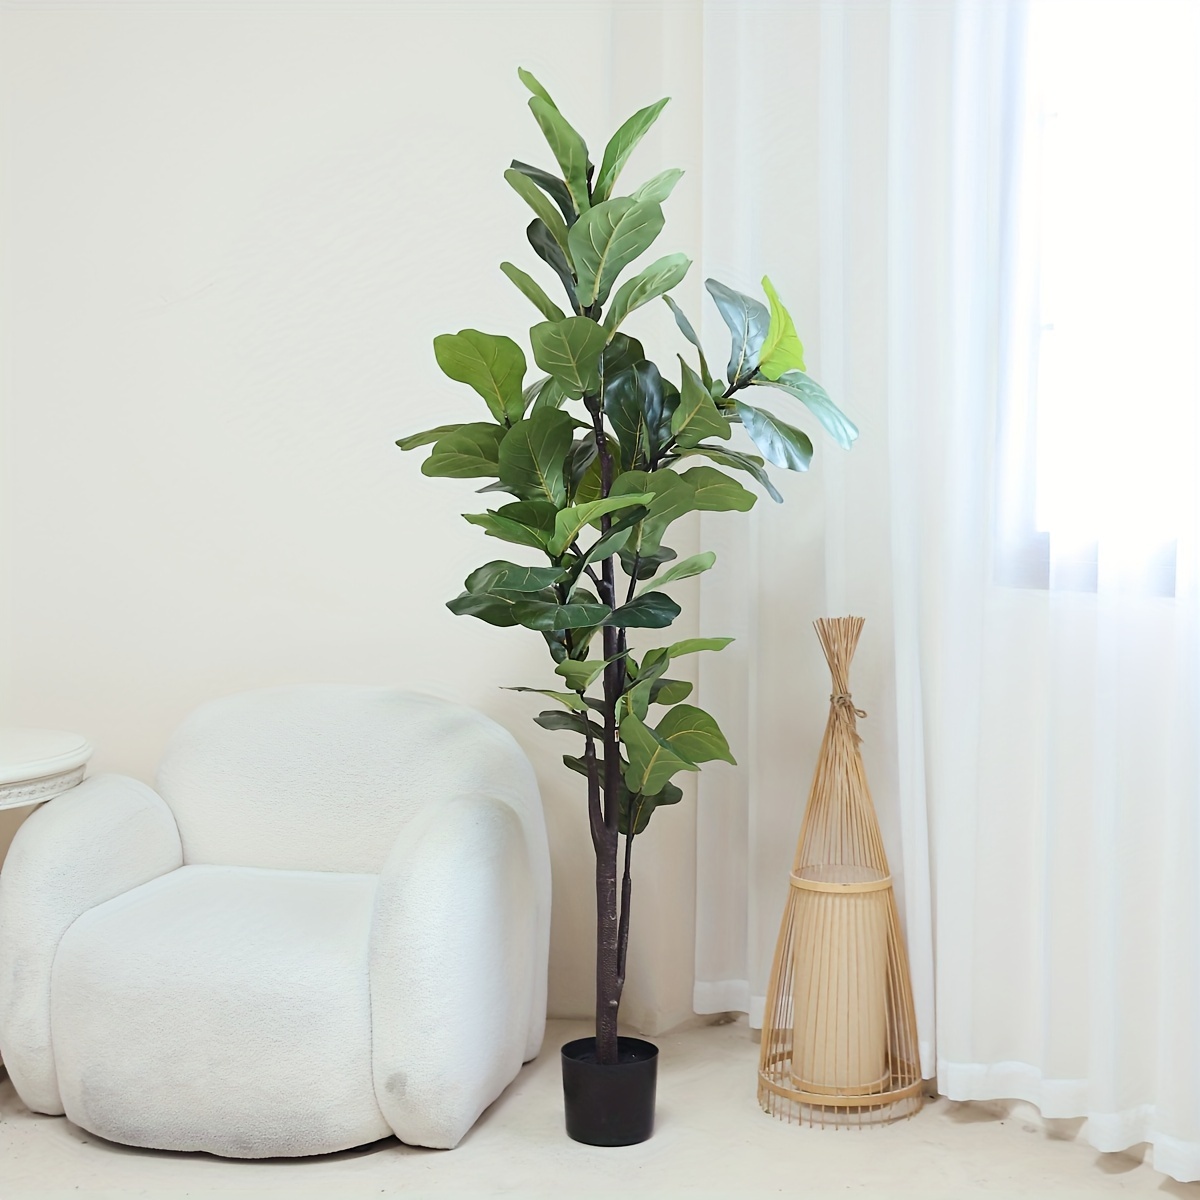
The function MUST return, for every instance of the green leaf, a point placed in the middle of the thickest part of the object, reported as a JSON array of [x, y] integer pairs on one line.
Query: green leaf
[[581, 675], [469, 452], [809, 392], [621, 145], [429, 435], [781, 443], [533, 454], [693, 734], [542, 614], [634, 402], [549, 251], [583, 454], [541, 205], [697, 564], [651, 610], [669, 691], [569, 522], [607, 239], [750, 463], [695, 645], [574, 722], [554, 187], [782, 350], [673, 497], [652, 761], [648, 561], [748, 322], [532, 290], [570, 350], [494, 609], [659, 277], [660, 187], [494, 366], [716, 492], [543, 393], [634, 811], [685, 327], [501, 576], [568, 699], [568, 148], [696, 417], [530, 81], [526, 523]]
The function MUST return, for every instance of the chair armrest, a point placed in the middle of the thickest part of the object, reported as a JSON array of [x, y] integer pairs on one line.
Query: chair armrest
[[100, 839], [458, 967]]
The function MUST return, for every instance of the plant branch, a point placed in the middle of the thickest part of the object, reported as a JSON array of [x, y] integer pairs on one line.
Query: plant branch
[[626, 891]]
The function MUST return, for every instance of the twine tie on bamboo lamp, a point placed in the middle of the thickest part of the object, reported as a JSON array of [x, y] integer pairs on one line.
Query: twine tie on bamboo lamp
[[839, 1039]]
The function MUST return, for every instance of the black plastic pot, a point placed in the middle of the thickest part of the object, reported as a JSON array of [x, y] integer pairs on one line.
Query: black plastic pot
[[610, 1105]]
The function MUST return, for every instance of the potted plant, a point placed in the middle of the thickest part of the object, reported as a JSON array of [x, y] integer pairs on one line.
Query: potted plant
[[598, 456]]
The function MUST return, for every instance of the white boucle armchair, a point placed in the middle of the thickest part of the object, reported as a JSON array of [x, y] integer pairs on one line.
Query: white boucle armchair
[[328, 923]]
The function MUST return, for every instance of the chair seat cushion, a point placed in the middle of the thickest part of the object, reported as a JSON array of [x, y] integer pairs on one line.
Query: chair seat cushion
[[224, 1009]]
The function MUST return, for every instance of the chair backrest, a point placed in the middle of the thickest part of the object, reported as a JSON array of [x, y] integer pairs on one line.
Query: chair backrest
[[325, 777]]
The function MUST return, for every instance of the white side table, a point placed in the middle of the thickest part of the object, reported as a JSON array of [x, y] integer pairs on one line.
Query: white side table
[[38, 764]]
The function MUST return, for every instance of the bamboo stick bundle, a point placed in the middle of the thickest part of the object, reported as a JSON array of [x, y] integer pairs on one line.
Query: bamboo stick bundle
[[839, 1039]]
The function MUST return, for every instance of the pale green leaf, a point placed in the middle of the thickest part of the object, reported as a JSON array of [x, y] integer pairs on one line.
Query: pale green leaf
[[782, 350], [810, 393], [621, 145], [532, 290], [781, 443], [748, 322], [660, 187], [697, 564], [569, 522], [659, 277]]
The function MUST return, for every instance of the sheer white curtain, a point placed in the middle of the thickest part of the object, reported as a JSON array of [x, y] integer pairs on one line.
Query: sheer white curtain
[[1033, 750]]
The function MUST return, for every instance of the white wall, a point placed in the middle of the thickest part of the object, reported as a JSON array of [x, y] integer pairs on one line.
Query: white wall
[[230, 232]]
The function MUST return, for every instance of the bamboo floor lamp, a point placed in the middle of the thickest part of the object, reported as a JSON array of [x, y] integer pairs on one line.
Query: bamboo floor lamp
[[839, 1038]]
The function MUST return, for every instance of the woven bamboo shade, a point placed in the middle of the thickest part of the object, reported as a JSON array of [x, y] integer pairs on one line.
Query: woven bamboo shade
[[839, 1039]]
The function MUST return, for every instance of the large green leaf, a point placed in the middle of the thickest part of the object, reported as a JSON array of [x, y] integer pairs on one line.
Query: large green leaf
[[696, 417], [651, 610], [634, 811], [660, 187], [669, 691], [810, 393], [426, 436], [685, 327], [542, 206], [580, 675], [533, 454], [652, 761], [468, 452], [750, 463], [549, 251], [494, 609], [781, 443], [697, 564], [693, 734], [525, 523], [748, 322], [660, 276], [569, 522], [579, 461], [554, 187], [782, 350], [634, 402], [568, 148], [695, 645], [542, 614], [567, 699], [673, 497], [494, 366], [620, 146], [533, 291], [716, 492], [502, 576], [607, 239], [574, 722], [570, 350]]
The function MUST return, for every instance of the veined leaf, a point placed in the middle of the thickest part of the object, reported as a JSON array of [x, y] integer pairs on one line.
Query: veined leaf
[[697, 416], [659, 277], [697, 564], [651, 610], [782, 350], [607, 239], [501, 576], [809, 392], [621, 145], [494, 366], [424, 438], [570, 350], [748, 322], [716, 492], [494, 609], [530, 81], [640, 563], [781, 443], [695, 645], [634, 402], [542, 614], [669, 691], [554, 187], [693, 734], [468, 452], [660, 187], [533, 454], [685, 327], [581, 675], [652, 761], [574, 722], [532, 290], [634, 811], [550, 252], [567, 699], [569, 522], [525, 523], [568, 148], [673, 497], [541, 205], [750, 463]]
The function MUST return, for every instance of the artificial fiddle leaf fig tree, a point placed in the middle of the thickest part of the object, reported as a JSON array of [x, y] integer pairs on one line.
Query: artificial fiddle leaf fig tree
[[598, 456]]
